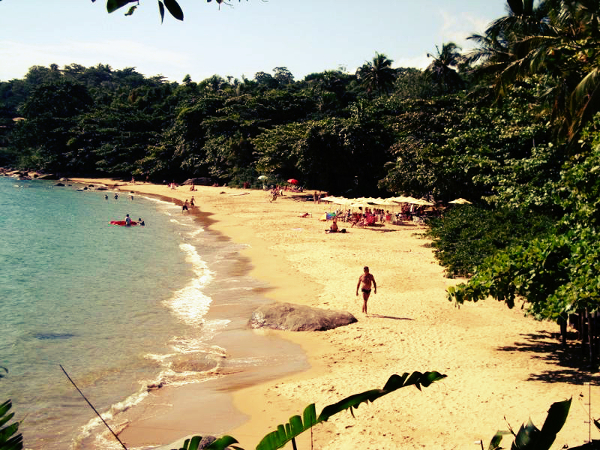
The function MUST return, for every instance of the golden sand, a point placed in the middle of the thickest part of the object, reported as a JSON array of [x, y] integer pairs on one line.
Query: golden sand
[[499, 363]]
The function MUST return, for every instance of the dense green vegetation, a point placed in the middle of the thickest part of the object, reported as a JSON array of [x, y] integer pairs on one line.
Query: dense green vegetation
[[512, 126]]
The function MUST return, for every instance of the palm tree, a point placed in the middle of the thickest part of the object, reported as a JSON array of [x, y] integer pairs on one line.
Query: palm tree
[[559, 41], [377, 75], [443, 69], [495, 52]]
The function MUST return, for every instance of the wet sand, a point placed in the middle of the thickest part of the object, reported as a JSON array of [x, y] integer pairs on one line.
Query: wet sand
[[499, 363]]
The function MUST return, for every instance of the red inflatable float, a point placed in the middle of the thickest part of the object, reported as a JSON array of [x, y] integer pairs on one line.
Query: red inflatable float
[[121, 222]]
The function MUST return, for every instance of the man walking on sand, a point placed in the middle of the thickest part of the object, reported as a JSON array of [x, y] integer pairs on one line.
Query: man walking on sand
[[366, 279]]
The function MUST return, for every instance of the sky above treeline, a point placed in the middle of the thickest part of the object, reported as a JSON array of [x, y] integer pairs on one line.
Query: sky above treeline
[[241, 38]]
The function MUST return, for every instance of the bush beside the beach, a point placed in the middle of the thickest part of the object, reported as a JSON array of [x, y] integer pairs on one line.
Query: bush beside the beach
[[466, 235]]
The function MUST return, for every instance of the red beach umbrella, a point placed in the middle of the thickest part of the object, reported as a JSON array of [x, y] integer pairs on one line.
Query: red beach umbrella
[[292, 181]]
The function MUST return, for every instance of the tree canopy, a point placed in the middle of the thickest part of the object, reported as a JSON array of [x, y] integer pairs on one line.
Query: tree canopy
[[512, 126]]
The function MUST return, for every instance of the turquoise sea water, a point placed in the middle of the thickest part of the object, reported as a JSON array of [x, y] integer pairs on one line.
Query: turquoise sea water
[[119, 308]]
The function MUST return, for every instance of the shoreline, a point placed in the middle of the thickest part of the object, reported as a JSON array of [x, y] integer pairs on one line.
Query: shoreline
[[499, 363], [216, 394]]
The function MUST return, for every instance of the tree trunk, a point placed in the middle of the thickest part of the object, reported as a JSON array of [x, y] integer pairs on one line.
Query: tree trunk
[[563, 330], [590, 336]]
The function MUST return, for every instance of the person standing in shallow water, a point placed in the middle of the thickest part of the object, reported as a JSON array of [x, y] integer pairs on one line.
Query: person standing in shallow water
[[365, 281]]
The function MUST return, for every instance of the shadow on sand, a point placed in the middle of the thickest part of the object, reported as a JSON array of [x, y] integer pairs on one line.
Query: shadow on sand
[[571, 366], [379, 316]]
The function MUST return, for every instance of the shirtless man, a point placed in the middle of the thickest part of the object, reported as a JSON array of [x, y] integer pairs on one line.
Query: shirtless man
[[366, 279]]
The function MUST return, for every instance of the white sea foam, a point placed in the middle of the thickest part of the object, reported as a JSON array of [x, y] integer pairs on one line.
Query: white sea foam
[[178, 222], [195, 233], [159, 358], [183, 378], [95, 425], [190, 304], [212, 326], [159, 201], [187, 345]]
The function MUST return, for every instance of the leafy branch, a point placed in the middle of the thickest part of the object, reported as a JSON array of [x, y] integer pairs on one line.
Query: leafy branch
[[530, 437], [171, 5], [10, 439], [298, 425]]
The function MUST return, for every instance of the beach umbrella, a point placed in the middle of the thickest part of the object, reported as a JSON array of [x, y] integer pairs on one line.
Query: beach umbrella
[[386, 202], [357, 205], [460, 201], [423, 202], [365, 200], [292, 181], [263, 177], [341, 201], [404, 199], [399, 199], [413, 201]]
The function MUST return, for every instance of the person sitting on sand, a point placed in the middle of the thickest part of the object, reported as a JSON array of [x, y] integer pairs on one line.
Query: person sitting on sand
[[366, 279], [141, 222], [305, 214], [334, 226]]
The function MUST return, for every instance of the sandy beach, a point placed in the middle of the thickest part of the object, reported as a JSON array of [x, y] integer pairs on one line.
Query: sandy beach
[[502, 368]]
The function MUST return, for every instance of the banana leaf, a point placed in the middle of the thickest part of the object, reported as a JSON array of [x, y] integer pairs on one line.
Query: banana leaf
[[530, 437], [220, 444], [9, 439], [296, 426]]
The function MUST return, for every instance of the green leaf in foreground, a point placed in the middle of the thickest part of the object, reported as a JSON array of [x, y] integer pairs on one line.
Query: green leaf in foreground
[[131, 10], [174, 9], [530, 437], [9, 439], [220, 444], [161, 8], [296, 425], [113, 5]]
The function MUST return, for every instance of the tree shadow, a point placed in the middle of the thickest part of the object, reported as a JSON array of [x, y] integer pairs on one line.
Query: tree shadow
[[571, 365]]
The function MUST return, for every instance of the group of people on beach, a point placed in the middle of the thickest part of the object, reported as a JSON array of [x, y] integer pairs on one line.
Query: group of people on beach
[[116, 196], [128, 221], [187, 204]]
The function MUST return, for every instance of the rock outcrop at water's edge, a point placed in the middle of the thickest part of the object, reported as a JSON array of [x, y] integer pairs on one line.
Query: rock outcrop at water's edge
[[287, 316]]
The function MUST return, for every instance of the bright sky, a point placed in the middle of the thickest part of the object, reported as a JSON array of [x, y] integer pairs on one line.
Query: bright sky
[[250, 36]]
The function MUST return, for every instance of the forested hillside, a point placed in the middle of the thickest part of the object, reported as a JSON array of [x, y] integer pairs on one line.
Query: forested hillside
[[511, 126]]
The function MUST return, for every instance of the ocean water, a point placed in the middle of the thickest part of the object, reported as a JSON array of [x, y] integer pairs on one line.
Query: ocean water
[[119, 308]]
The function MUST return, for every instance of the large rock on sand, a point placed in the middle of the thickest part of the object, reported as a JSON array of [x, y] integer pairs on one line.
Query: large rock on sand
[[287, 316], [201, 181]]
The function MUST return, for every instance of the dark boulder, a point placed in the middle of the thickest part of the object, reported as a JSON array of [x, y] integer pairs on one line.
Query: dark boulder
[[201, 181], [287, 316]]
